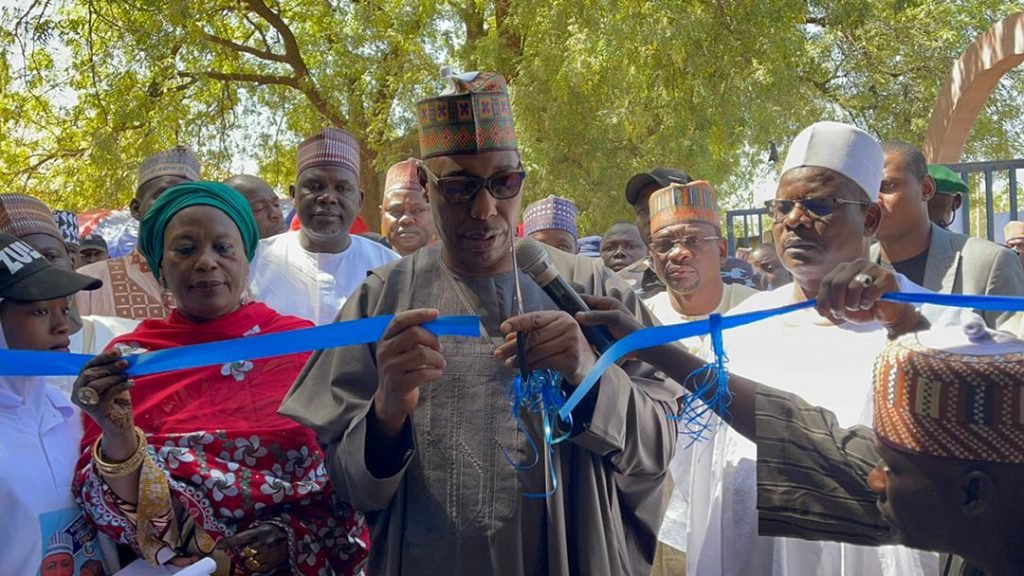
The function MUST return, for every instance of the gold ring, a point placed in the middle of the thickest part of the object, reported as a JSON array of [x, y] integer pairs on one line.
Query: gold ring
[[250, 552], [88, 397], [253, 564]]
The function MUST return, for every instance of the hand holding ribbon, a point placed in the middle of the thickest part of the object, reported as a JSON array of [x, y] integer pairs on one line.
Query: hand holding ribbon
[[554, 341], [408, 357], [852, 292]]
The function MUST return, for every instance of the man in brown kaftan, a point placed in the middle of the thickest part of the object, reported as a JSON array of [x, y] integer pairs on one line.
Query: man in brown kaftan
[[417, 427]]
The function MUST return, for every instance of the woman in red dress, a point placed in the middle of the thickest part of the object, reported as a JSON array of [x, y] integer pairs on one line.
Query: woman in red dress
[[197, 462]]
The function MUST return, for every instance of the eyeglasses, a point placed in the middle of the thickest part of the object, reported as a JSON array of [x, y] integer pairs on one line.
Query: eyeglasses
[[463, 189], [819, 208], [691, 244]]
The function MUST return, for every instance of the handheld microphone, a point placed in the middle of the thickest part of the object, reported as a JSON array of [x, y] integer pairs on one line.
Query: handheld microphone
[[533, 261]]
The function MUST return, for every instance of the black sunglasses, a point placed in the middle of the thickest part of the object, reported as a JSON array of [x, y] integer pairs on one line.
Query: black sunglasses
[[815, 207], [691, 244], [463, 189]]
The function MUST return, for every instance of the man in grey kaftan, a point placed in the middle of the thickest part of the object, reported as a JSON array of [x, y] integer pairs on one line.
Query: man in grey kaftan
[[456, 506], [419, 431]]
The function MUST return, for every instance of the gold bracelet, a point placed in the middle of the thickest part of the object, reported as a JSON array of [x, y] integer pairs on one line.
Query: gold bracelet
[[126, 467]]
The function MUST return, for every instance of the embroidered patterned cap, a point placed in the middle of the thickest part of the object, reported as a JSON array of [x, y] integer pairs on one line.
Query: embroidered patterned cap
[[179, 161], [60, 543], [472, 116], [953, 393], [1013, 230], [679, 203], [329, 147], [67, 223], [553, 212], [21, 215], [403, 176]]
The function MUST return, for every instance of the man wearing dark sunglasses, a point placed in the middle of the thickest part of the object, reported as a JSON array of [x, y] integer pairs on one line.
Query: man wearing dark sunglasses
[[418, 429], [929, 255], [824, 213]]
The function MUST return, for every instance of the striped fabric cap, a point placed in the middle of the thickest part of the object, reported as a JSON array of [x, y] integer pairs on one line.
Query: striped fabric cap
[[472, 116], [680, 203], [60, 543], [179, 161], [21, 215], [953, 393], [67, 222], [403, 176], [329, 147], [553, 212]]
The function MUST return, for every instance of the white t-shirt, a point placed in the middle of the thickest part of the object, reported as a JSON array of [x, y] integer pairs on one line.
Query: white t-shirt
[[311, 285], [827, 365], [42, 531]]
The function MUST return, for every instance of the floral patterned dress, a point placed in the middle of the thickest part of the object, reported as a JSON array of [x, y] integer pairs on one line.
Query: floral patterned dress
[[221, 460]]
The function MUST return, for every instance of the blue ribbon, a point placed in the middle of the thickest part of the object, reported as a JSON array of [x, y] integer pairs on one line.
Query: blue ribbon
[[365, 331], [658, 335], [541, 394]]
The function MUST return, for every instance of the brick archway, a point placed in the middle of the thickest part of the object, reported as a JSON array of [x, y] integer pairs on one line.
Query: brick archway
[[974, 76]]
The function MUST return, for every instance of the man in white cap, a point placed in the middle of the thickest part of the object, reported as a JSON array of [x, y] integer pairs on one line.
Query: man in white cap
[[310, 272], [824, 213], [929, 255]]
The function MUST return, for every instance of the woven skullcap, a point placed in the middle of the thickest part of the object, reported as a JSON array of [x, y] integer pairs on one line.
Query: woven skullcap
[[682, 203], [329, 147], [953, 393], [179, 161], [403, 175], [21, 215], [551, 213], [471, 116]]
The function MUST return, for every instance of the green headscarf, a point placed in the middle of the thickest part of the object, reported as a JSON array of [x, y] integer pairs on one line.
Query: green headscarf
[[177, 198]]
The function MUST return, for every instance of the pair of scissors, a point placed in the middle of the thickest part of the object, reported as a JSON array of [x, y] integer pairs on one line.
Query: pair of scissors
[[517, 309]]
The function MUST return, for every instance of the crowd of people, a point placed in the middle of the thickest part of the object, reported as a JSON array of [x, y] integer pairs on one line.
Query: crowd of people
[[859, 436]]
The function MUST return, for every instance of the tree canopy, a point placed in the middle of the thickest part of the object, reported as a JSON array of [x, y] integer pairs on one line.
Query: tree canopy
[[601, 89]]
